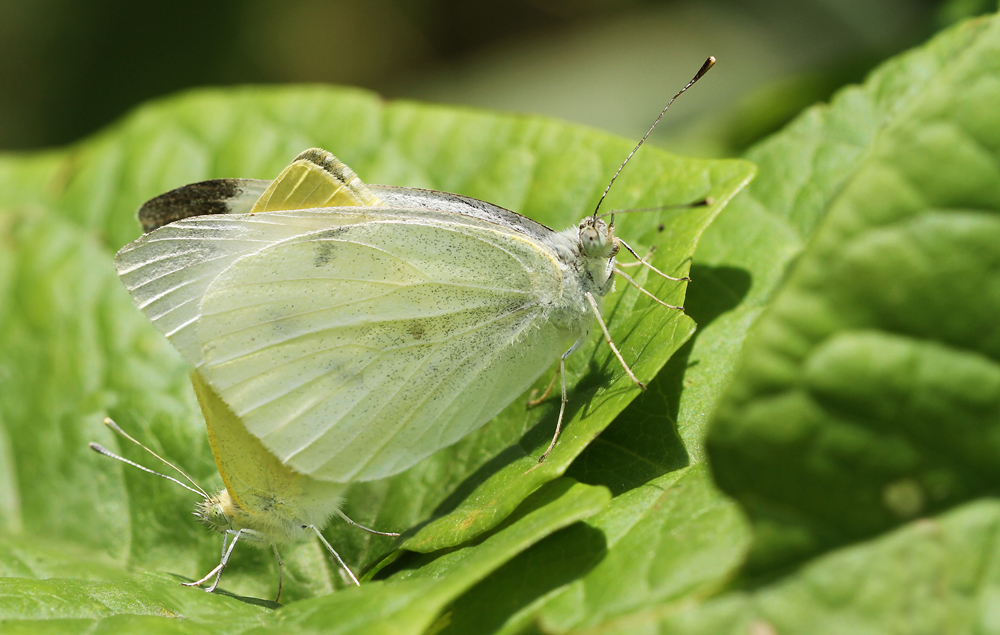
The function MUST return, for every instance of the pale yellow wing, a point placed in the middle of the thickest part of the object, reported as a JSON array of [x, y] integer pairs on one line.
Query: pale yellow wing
[[354, 352], [268, 493], [315, 178]]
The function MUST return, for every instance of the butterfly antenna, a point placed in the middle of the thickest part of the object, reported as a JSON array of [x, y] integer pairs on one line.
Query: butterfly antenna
[[100, 449], [708, 200], [709, 63], [96, 447]]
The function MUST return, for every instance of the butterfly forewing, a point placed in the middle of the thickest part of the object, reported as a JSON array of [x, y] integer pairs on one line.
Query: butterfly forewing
[[354, 341], [356, 351], [168, 271]]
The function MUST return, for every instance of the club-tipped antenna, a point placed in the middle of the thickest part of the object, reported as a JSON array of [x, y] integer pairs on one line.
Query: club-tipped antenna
[[100, 449], [708, 200], [117, 429], [709, 63]]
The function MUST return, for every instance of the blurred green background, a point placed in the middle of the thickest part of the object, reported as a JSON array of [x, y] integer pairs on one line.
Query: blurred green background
[[69, 67]]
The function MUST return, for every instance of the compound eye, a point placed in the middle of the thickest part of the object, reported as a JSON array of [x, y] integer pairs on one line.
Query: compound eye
[[590, 238], [218, 516]]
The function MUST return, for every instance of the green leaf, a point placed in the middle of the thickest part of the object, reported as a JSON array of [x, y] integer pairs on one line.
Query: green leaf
[[409, 601], [672, 537], [97, 595], [933, 576], [870, 392], [73, 349], [744, 255], [603, 582], [53, 586]]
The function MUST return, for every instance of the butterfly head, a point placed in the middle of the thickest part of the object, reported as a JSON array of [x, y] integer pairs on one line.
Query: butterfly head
[[597, 239], [598, 247], [217, 511]]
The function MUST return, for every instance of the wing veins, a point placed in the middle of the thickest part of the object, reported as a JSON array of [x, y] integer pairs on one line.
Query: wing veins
[[430, 392], [176, 287], [366, 320], [153, 261], [382, 407], [301, 200], [182, 326], [322, 398], [381, 352]]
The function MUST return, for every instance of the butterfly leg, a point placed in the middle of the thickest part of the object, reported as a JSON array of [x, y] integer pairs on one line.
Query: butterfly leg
[[562, 404], [280, 565], [644, 262], [335, 554], [532, 402], [217, 571], [363, 528], [607, 338], [639, 261], [639, 287]]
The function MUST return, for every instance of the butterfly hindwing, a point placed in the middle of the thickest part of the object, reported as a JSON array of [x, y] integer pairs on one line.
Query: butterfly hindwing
[[315, 178]]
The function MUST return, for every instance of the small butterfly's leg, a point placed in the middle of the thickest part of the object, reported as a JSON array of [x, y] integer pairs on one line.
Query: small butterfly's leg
[[222, 556], [639, 287], [335, 554], [607, 338], [363, 528], [532, 402], [280, 565], [221, 566]]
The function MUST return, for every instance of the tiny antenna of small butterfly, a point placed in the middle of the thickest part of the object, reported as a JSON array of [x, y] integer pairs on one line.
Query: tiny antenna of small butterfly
[[100, 449], [197, 489], [709, 63]]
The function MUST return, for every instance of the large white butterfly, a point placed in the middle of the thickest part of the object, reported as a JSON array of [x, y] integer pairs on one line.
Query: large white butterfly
[[351, 330], [358, 329]]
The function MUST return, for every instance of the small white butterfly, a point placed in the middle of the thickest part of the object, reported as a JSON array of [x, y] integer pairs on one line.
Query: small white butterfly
[[356, 329]]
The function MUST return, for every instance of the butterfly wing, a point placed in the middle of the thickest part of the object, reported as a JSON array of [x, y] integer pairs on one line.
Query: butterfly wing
[[167, 271], [354, 341], [270, 496], [354, 352], [219, 196]]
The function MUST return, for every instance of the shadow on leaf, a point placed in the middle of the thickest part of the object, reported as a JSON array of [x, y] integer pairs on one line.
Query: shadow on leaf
[[643, 443], [268, 604]]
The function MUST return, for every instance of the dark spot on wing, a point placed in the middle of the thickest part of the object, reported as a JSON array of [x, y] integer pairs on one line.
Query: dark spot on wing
[[196, 199], [334, 232], [325, 253], [326, 250], [416, 329]]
